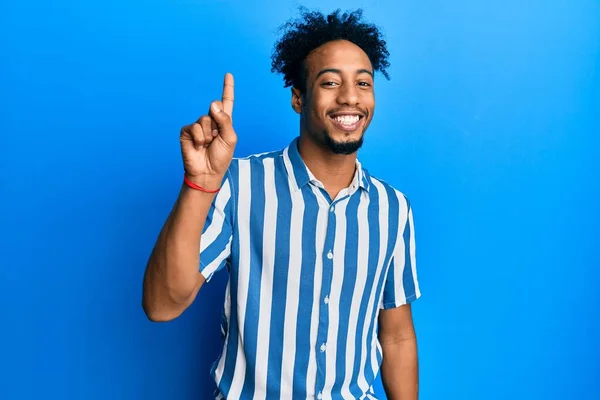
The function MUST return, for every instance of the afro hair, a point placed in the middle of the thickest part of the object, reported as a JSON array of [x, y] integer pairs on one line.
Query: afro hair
[[312, 30]]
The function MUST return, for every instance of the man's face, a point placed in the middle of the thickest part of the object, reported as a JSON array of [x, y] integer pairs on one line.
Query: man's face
[[339, 101]]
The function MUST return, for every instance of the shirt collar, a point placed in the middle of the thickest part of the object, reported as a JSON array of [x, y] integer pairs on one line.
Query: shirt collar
[[299, 174]]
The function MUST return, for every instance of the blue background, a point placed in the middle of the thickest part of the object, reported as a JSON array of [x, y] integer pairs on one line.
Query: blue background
[[489, 124]]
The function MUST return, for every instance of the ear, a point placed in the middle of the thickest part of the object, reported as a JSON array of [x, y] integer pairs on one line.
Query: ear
[[297, 100]]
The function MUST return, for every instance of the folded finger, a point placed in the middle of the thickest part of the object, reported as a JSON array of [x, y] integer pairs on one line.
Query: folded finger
[[206, 123]]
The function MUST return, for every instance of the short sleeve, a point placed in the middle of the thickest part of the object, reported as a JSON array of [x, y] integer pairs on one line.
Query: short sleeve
[[215, 242], [401, 284]]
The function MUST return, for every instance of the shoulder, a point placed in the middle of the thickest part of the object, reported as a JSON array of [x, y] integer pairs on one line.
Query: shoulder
[[393, 194], [258, 158], [255, 158], [398, 205], [241, 168]]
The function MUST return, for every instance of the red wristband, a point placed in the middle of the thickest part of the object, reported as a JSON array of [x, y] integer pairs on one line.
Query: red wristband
[[194, 186]]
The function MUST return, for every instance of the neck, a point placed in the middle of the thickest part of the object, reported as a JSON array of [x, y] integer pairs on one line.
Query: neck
[[335, 171]]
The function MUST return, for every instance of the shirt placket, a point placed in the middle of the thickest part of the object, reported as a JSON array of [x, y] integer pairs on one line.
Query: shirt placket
[[322, 334]]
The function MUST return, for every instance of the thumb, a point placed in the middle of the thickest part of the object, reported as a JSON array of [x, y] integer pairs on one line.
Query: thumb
[[223, 121]]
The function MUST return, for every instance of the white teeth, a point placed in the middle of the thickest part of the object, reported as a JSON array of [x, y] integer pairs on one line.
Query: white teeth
[[347, 119]]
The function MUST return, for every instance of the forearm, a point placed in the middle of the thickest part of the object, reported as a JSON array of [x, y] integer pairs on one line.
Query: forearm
[[399, 370], [172, 277]]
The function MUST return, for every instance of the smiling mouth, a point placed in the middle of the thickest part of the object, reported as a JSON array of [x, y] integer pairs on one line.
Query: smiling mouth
[[348, 122]]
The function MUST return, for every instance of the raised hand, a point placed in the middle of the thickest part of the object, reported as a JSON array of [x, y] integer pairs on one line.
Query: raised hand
[[207, 145]]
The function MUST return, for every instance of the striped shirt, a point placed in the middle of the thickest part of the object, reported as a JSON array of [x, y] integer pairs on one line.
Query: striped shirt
[[307, 278]]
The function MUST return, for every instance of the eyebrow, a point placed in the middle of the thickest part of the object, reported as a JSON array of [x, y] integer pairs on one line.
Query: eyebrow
[[337, 71]]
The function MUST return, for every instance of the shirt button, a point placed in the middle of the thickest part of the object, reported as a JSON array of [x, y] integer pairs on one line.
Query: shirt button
[[332, 208], [330, 255], [320, 396], [323, 347], [326, 300]]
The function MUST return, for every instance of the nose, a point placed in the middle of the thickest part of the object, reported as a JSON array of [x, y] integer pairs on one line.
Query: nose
[[348, 95]]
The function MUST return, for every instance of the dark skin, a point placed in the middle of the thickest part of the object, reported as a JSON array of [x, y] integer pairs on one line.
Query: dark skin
[[339, 79]]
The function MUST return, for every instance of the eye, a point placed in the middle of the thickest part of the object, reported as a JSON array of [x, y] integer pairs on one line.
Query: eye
[[364, 84], [329, 83]]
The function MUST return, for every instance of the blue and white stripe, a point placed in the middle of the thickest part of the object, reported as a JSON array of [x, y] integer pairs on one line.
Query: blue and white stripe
[[307, 278]]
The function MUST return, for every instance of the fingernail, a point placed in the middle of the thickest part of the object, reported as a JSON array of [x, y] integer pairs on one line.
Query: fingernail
[[215, 107]]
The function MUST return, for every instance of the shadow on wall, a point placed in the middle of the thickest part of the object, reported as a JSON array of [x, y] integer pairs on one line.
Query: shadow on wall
[[121, 354], [204, 339], [186, 347]]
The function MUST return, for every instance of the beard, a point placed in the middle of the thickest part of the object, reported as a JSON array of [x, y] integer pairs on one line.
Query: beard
[[344, 148]]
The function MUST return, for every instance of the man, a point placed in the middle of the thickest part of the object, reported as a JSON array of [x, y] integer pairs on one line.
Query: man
[[320, 254]]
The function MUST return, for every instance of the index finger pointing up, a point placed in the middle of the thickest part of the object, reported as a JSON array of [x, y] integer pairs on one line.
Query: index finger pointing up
[[227, 97]]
